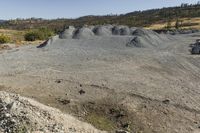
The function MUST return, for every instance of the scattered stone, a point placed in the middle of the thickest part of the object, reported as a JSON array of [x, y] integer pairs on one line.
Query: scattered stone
[[91, 103], [64, 101], [81, 85], [58, 81], [31, 116], [82, 92], [167, 101], [126, 125], [72, 129]]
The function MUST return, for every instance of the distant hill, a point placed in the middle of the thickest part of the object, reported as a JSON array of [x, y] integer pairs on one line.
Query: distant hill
[[133, 19], [1, 21]]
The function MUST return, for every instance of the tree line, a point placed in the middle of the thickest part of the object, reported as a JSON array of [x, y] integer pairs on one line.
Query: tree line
[[133, 19]]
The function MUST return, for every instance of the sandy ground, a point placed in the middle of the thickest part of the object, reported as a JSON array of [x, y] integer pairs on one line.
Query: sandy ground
[[150, 90]]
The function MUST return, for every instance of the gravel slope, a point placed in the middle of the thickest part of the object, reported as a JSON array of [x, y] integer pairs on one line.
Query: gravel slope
[[19, 114], [156, 86]]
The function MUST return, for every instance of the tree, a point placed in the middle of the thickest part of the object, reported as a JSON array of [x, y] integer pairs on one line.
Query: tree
[[177, 24]]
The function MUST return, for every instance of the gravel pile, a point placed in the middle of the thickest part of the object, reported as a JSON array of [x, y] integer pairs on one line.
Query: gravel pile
[[19, 114], [83, 33], [68, 33], [102, 31], [140, 38]]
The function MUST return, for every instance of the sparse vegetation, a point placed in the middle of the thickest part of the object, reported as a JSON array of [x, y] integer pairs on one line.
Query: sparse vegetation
[[100, 122], [38, 34], [177, 24], [31, 36], [169, 25], [4, 39], [185, 16], [137, 18]]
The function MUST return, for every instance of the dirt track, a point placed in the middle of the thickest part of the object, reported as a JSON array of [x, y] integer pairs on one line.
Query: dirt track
[[137, 89]]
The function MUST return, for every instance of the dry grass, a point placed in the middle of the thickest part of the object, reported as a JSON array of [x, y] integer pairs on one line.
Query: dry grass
[[193, 23], [17, 36]]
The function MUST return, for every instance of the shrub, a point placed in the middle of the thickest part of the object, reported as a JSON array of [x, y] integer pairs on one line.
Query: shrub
[[38, 34], [31, 36], [4, 39]]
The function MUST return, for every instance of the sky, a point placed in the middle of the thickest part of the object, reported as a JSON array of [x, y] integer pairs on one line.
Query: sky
[[51, 9]]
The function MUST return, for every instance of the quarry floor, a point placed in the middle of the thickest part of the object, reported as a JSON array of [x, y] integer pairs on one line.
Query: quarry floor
[[102, 82]]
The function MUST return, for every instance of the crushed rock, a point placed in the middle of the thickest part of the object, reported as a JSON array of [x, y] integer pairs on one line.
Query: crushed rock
[[19, 114]]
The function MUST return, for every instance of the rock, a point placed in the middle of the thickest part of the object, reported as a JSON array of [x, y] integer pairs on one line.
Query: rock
[[58, 81], [81, 92], [167, 101], [7, 115], [64, 101]]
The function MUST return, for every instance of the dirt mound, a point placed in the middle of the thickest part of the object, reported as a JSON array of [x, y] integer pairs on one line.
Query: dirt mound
[[108, 26], [147, 38], [48, 41], [19, 114], [116, 30], [120, 30], [136, 42], [83, 33], [141, 42], [124, 30], [102, 31], [143, 32], [138, 37], [132, 30], [91, 27], [68, 33]]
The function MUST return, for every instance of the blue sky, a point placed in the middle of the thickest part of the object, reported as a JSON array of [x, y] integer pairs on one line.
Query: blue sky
[[11, 9]]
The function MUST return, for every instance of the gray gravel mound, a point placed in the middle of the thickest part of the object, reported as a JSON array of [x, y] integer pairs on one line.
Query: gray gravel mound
[[132, 30], [140, 42], [147, 38], [68, 33], [102, 31], [139, 37], [143, 32], [125, 30], [116, 30], [120, 30], [136, 42], [83, 33]]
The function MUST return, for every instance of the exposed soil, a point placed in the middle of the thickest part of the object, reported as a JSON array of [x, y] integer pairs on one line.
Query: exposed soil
[[152, 89]]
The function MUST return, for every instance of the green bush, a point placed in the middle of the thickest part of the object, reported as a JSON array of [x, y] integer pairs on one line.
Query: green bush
[[4, 39], [31, 36], [38, 34]]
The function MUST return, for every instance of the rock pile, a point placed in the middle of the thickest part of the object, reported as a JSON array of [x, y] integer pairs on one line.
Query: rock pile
[[141, 38], [19, 114]]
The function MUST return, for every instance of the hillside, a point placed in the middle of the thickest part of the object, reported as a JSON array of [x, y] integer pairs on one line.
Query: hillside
[[133, 19], [1, 21], [185, 23]]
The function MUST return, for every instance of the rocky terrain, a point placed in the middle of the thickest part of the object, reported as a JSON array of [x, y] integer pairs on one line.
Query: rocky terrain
[[23, 115], [114, 77]]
